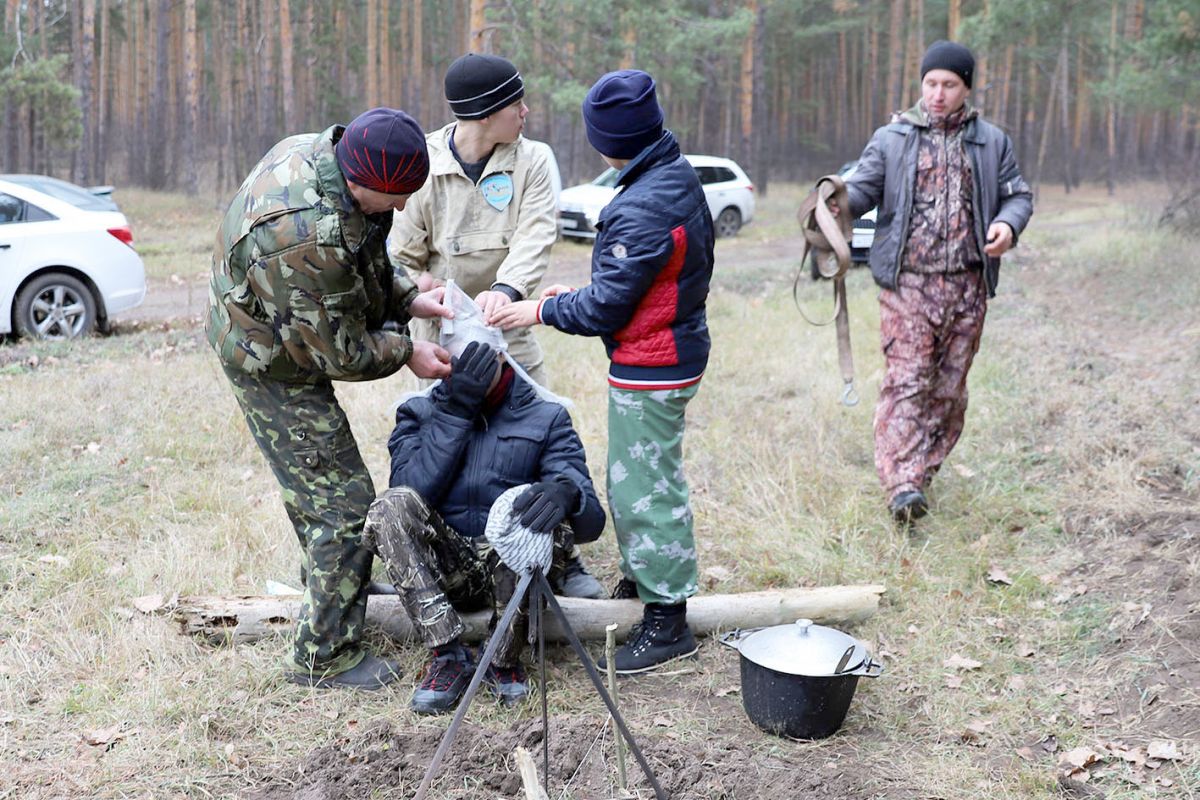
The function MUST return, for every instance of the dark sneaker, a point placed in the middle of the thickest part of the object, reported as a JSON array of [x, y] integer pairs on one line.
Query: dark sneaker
[[578, 582], [509, 684], [908, 506], [625, 590], [662, 636], [370, 673], [445, 680]]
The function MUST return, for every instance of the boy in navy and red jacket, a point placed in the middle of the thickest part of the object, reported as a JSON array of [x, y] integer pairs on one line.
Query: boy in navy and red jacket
[[651, 267]]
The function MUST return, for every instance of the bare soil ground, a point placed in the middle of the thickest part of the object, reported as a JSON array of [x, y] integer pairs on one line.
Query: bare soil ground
[[1041, 634]]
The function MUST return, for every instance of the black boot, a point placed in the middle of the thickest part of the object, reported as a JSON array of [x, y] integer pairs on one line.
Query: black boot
[[908, 506], [662, 636]]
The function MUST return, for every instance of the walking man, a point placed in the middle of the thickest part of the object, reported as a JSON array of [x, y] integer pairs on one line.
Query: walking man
[[300, 291], [951, 202]]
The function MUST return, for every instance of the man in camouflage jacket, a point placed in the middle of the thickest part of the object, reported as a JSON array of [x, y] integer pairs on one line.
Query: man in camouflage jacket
[[951, 202], [300, 292]]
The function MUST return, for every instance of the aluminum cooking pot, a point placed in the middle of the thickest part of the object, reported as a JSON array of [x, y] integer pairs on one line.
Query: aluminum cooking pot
[[798, 680]]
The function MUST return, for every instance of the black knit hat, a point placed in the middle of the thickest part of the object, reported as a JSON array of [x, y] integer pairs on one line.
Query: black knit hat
[[384, 149], [478, 85], [952, 56], [621, 113]]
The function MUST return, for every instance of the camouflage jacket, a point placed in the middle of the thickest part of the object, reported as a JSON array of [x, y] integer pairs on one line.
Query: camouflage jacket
[[301, 282]]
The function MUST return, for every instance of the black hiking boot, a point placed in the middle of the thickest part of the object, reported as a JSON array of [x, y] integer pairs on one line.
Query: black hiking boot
[[509, 684], [445, 680], [662, 636], [907, 507], [370, 673], [625, 590]]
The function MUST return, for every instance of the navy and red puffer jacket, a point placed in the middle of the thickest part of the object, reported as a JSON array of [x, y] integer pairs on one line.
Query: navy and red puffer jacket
[[651, 267]]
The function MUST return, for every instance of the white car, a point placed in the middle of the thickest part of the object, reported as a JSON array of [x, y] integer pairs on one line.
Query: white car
[[64, 268], [729, 191], [863, 228]]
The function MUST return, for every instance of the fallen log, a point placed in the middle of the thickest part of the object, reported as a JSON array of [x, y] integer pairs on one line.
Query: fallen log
[[236, 619]]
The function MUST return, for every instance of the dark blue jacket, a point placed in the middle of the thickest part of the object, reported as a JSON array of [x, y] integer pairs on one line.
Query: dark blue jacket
[[461, 466], [651, 266]]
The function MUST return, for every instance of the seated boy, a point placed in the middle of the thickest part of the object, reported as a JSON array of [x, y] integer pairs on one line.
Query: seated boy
[[455, 449]]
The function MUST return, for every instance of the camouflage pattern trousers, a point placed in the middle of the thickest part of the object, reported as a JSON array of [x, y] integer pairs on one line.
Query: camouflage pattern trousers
[[930, 328], [439, 572], [327, 490], [648, 494]]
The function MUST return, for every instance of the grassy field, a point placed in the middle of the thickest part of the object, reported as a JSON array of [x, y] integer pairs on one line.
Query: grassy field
[[1049, 605]]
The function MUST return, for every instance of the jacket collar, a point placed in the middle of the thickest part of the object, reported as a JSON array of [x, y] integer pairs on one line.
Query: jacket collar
[[665, 149], [333, 187], [918, 118], [443, 162]]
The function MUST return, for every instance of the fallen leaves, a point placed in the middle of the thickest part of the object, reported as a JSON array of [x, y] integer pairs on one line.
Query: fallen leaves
[[998, 576], [150, 603], [961, 663], [1081, 764], [107, 737]]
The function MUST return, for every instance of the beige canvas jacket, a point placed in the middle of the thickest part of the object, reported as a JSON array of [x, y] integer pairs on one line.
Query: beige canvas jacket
[[449, 229]]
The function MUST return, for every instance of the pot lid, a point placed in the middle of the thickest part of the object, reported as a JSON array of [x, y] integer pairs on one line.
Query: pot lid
[[804, 649]]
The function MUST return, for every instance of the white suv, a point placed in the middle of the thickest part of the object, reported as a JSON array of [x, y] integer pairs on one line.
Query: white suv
[[729, 191]]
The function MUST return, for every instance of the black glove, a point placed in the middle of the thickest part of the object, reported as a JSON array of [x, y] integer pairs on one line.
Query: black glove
[[544, 505], [470, 376]]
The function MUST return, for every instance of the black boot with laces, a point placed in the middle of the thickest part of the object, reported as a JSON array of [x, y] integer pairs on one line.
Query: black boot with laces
[[662, 636]]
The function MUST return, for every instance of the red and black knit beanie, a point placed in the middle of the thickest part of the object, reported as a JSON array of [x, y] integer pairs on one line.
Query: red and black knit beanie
[[384, 149]]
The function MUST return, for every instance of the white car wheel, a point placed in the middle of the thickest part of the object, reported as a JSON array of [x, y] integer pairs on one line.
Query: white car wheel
[[55, 306], [728, 222]]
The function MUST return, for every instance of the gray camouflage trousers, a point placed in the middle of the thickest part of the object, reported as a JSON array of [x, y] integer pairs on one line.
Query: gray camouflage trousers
[[326, 490], [438, 572]]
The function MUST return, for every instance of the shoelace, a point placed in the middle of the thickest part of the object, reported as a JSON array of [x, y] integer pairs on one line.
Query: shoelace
[[444, 670], [508, 674]]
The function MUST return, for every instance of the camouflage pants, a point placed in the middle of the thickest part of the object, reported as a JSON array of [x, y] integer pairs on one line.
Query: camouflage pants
[[522, 346], [648, 494], [439, 572], [930, 328], [327, 490]]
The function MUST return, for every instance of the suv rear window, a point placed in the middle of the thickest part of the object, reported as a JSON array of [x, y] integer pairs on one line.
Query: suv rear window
[[709, 175]]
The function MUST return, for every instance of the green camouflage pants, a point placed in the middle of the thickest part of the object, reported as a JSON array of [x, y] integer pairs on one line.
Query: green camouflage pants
[[327, 490], [647, 492], [439, 572]]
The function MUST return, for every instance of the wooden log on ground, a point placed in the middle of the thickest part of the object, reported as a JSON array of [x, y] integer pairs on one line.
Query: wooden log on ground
[[224, 619]]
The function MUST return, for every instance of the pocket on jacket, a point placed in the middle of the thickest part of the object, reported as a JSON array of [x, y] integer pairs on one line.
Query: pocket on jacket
[[518, 454], [478, 241], [334, 322]]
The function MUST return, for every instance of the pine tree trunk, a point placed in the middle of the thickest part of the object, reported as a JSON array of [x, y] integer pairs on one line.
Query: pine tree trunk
[[103, 103], [191, 103], [478, 31], [895, 57], [746, 81], [371, 76], [286, 78], [416, 69]]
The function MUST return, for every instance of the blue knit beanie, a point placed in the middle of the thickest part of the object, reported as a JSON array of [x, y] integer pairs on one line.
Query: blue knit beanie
[[384, 149], [622, 115]]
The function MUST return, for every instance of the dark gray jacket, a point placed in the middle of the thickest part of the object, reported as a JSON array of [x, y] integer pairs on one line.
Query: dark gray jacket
[[887, 174], [460, 466]]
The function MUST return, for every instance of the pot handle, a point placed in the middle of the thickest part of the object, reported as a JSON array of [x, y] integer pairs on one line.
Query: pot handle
[[870, 669], [734, 637]]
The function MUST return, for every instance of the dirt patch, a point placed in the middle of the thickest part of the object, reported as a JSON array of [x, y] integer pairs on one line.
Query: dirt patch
[[389, 762], [1150, 573]]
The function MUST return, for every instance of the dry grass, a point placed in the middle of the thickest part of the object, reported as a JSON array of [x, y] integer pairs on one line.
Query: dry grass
[[128, 471]]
